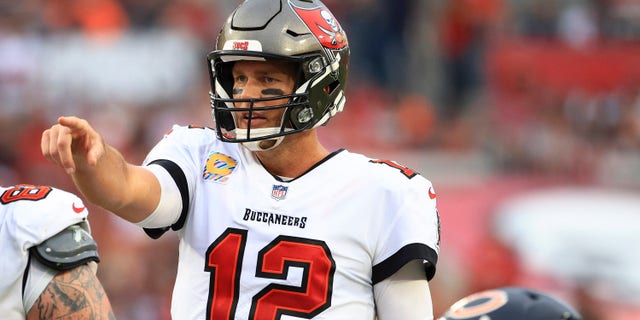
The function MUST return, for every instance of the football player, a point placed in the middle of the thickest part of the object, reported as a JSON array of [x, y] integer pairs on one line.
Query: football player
[[272, 225], [49, 258], [510, 303]]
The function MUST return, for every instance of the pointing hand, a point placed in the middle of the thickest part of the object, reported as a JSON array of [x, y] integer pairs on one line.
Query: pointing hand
[[71, 143]]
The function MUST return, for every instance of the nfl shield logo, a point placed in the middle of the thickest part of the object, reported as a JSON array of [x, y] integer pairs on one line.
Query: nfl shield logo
[[279, 192]]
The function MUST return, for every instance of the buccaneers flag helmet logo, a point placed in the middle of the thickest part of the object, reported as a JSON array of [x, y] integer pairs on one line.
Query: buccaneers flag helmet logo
[[324, 26]]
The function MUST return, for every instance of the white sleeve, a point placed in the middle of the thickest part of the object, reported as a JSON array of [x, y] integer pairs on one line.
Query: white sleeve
[[170, 206], [37, 280], [405, 294]]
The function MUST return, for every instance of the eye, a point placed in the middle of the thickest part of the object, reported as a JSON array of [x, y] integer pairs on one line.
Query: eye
[[270, 80], [240, 79]]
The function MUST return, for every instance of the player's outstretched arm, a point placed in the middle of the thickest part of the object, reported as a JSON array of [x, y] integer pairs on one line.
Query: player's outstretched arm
[[99, 171], [73, 294]]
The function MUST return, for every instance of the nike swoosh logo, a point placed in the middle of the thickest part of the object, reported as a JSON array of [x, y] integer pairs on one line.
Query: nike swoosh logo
[[432, 194], [77, 209]]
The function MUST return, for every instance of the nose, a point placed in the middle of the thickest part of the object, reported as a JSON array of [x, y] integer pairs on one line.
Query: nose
[[248, 90]]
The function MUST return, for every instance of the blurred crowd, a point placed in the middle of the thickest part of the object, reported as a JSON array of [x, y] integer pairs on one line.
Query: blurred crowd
[[543, 87]]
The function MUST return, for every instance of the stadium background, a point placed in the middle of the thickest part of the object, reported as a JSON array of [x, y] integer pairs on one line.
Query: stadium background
[[490, 99]]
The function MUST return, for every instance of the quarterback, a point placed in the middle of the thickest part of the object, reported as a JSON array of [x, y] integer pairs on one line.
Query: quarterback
[[272, 225]]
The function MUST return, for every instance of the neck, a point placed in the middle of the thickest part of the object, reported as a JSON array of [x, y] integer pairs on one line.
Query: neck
[[294, 156]]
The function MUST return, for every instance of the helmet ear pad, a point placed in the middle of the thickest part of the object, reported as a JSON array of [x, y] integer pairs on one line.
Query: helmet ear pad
[[324, 97]]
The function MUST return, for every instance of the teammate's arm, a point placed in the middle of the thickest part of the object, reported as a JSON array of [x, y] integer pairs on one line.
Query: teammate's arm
[[73, 294], [404, 295], [99, 171]]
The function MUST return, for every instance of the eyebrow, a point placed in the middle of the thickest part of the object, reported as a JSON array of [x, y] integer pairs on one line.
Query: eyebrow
[[268, 91], [272, 71]]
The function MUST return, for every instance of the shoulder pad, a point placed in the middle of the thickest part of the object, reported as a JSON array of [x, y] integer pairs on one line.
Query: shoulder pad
[[68, 249]]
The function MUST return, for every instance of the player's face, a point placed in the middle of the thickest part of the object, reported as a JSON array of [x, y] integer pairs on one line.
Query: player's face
[[261, 79]]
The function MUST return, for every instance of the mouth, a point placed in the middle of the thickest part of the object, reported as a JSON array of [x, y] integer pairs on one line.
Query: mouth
[[256, 119]]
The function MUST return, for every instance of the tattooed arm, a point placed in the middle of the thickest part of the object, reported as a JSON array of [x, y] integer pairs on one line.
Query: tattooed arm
[[73, 294]]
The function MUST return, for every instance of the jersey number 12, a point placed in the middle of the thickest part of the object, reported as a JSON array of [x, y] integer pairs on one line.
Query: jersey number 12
[[224, 262]]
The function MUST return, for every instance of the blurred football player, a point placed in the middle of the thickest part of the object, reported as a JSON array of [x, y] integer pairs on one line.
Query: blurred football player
[[509, 303], [49, 258], [272, 224]]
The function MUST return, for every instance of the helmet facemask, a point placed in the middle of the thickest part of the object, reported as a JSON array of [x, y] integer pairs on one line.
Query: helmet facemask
[[226, 116], [298, 115]]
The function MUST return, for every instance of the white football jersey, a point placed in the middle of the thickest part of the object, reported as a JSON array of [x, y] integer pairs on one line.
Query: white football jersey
[[29, 215], [253, 246]]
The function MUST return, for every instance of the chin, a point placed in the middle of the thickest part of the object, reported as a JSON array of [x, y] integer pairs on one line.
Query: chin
[[267, 144]]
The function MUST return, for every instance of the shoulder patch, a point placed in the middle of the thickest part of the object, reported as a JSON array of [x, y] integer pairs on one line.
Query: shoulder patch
[[218, 167]]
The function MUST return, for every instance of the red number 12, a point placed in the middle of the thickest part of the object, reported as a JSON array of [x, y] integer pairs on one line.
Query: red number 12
[[224, 262]]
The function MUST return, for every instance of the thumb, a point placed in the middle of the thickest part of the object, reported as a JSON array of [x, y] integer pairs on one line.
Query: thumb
[[96, 150]]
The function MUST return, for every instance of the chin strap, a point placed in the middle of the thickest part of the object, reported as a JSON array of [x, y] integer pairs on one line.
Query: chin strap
[[260, 145]]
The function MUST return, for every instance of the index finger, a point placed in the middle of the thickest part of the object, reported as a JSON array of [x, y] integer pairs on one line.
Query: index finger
[[72, 122], [91, 141]]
